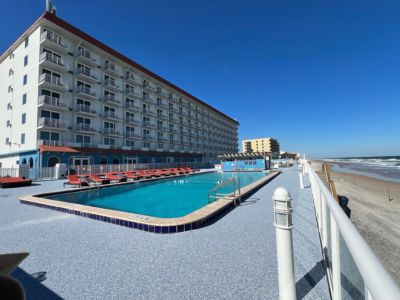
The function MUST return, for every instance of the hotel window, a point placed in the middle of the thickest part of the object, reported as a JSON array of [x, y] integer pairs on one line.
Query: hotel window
[[83, 139], [130, 129], [24, 98], [146, 145], [146, 132], [25, 60], [22, 138], [84, 70], [110, 109], [129, 115], [25, 79], [26, 42], [130, 143], [109, 125], [8, 141], [80, 102], [171, 116], [23, 118], [49, 136], [10, 72], [80, 120], [49, 114], [108, 141], [160, 146]]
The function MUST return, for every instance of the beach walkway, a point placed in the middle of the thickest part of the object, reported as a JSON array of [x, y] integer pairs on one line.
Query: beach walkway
[[73, 257]]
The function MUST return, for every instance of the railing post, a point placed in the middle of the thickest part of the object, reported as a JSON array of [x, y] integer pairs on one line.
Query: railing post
[[301, 178], [336, 279], [284, 243]]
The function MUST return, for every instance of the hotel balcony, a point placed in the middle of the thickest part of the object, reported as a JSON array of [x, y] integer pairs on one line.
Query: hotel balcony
[[163, 128], [53, 62], [111, 84], [162, 104], [162, 139], [111, 132], [130, 78], [50, 123], [148, 99], [149, 137], [53, 82], [162, 116], [55, 41], [132, 134], [86, 110], [161, 93], [110, 115], [87, 57], [149, 148], [87, 75], [85, 92], [173, 130], [112, 100], [130, 92], [132, 107], [148, 88], [148, 112], [112, 69], [50, 143], [85, 128], [52, 103], [149, 124], [133, 121]]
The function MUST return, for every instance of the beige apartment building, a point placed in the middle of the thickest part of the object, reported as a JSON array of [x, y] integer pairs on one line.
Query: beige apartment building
[[260, 145]]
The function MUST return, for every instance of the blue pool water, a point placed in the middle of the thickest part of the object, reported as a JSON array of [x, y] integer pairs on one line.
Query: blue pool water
[[169, 198]]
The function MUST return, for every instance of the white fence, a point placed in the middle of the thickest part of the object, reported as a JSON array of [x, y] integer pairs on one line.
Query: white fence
[[354, 272], [11, 172], [98, 169]]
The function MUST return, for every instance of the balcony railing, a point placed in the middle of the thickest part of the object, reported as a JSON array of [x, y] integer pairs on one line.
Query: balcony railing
[[53, 80], [88, 73], [148, 98], [54, 38], [81, 89], [49, 142], [54, 123], [111, 115], [149, 124], [87, 55], [86, 109], [109, 66], [50, 57], [132, 92], [112, 99], [148, 137], [85, 127], [132, 120], [132, 134], [132, 106], [130, 77], [111, 131], [111, 83], [51, 101], [147, 111]]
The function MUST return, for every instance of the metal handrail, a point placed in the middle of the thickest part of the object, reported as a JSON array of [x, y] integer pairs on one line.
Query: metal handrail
[[235, 195], [378, 282]]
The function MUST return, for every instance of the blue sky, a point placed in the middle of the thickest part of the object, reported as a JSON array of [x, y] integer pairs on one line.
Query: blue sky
[[320, 76]]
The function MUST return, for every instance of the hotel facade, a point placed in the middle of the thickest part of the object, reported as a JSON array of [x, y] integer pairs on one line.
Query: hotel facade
[[267, 144], [67, 98]]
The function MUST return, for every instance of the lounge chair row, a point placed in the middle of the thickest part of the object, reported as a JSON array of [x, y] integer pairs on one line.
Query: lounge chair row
[[8, 182], [115, 177]]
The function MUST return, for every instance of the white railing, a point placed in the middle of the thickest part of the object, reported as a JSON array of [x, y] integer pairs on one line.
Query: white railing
[[54, 80], [52, 101], [55, 59], [98, 169], [9, 172], [352, 267]]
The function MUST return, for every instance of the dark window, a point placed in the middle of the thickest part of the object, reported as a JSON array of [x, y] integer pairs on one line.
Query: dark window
[[26, 42], [26, 60], [24, 97], [25, 80]]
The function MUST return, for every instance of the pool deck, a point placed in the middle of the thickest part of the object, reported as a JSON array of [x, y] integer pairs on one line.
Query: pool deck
[[233, 258]]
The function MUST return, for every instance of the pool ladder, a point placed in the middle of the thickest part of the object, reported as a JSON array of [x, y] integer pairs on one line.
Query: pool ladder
[[89, 183], [235, 195]]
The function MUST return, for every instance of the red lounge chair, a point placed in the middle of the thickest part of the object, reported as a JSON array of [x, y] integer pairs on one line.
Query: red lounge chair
[[166, 172], [74, 180], [157, 173], [183, 170], [8, 182], [173, 171], [177, 171], [97, 179], [190, 170], [131, 175], [145, 174], [114, 177]]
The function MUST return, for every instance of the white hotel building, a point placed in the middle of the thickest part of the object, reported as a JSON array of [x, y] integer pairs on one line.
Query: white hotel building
[[66, 97]]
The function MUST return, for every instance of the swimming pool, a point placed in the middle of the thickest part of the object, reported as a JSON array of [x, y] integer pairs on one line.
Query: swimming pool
[[166, 198]]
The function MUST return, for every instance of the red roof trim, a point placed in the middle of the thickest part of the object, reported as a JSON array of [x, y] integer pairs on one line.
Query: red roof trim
[[60, 22], [45, 148]]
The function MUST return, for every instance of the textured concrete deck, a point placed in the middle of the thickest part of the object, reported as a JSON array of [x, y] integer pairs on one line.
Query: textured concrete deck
[[235, 257]]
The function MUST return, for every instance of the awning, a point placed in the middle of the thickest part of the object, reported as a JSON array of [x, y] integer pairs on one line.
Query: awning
[[45, 148]]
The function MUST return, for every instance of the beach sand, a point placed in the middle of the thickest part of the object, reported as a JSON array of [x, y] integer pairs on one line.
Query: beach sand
[[375, 211]]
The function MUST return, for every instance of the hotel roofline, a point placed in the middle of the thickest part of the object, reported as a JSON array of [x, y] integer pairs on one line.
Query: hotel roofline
[[72, 29]]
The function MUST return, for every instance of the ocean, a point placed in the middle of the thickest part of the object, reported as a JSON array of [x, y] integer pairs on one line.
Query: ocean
[[380, 167]]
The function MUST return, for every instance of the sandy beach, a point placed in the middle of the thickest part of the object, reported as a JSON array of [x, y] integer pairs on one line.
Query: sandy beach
[[375, 210]]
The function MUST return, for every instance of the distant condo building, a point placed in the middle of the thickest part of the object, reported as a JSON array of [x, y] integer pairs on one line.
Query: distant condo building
[[261, 145], [67, 98]]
